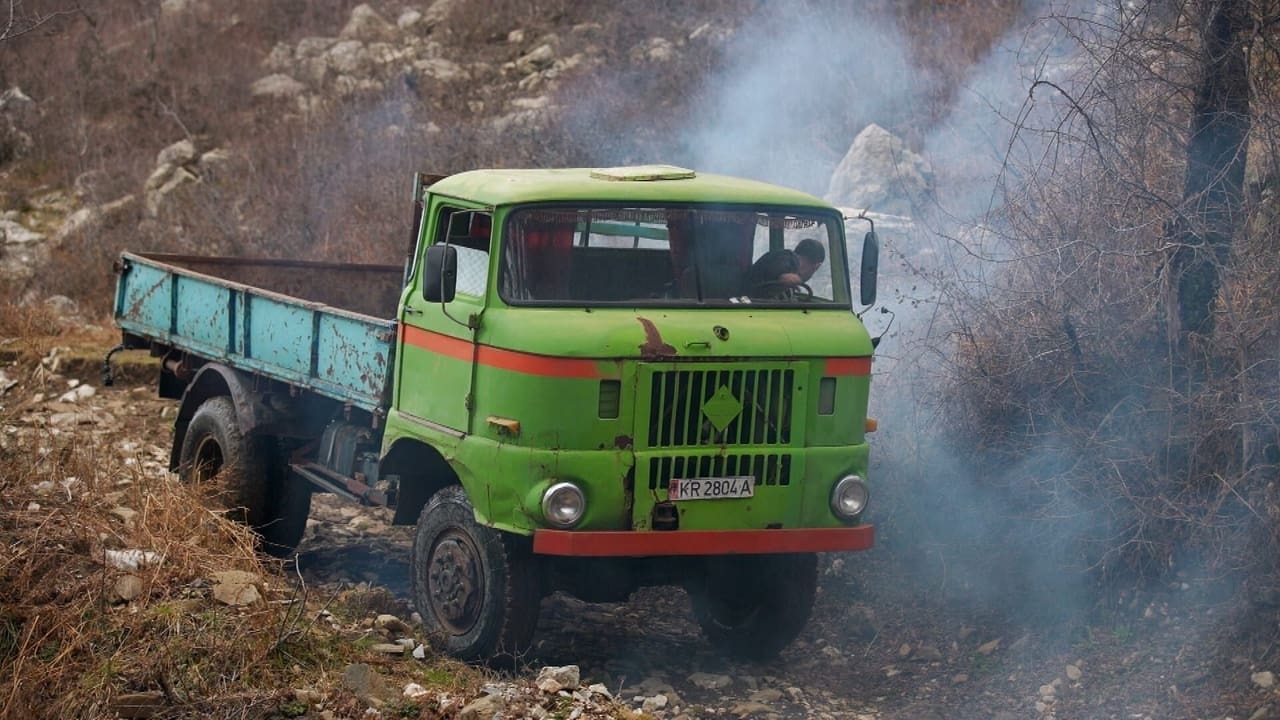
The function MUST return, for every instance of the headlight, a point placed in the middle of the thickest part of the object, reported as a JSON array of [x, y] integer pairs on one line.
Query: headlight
[[849, 497], [563, 504]]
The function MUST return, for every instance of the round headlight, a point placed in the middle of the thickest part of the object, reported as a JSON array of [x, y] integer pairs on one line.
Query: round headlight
[[849, 497], [563, 504]]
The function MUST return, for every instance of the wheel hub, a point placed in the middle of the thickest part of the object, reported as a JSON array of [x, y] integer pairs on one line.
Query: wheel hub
[[454, 582]]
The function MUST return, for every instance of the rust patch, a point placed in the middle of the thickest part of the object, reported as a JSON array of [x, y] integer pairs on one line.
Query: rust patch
[[622, 442], [653, 345]]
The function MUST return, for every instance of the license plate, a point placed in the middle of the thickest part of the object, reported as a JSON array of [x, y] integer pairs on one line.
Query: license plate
[[711, 488]]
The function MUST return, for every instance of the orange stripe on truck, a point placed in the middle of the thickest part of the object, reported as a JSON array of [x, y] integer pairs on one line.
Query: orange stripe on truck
[[500, 358], [848, 366]]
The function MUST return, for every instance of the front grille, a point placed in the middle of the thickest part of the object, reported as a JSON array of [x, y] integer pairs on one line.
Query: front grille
[[768, 469], [697, 407]]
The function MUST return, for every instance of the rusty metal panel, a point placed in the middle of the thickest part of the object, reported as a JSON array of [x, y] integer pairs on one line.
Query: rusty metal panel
[[279, 329]]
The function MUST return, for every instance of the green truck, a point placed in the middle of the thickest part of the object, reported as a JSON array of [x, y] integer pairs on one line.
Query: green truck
[[587, 380]]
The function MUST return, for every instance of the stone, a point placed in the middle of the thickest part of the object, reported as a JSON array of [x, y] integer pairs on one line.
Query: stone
[[392, 649], [126, 515], [904, 651], [928, 653], [236, 588], [409, 19], [766, 695], [390, 623], [366, 24], [516, 37], [1048, 691], [364, 681], [414, 691], [483, 708], [653, 704], [749, 708], [879, 173], [82, 392], [420, 652], [15, 233], [127, 588], [1073, 673], [1264, 679], [179, 153], [440, 69], [552, 679], [536, 59], [989, 647], [277, 85], [707, 681], [132, 559], [348, 57]]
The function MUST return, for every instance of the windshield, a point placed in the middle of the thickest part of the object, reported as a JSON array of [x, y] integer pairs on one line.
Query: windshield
[[673, 256]]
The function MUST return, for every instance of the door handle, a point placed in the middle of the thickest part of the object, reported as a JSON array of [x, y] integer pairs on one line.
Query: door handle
[[412, 311]]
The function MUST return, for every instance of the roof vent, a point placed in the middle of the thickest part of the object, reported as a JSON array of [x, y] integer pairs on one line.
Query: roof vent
[[643, 173]]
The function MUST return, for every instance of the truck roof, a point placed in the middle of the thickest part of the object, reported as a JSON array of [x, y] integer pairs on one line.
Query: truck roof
[[644, 183]]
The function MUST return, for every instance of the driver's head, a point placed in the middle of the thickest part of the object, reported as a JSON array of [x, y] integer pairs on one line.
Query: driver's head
[[810, 253]]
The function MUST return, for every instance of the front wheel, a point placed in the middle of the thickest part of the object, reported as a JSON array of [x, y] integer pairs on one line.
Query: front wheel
[[475, 587], [751, 607]]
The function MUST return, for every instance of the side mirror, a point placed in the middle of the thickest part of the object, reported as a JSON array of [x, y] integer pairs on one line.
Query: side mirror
[[870, 267], [440, 273]]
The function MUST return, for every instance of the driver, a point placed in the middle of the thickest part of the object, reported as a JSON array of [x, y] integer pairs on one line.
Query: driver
[[787, 268]]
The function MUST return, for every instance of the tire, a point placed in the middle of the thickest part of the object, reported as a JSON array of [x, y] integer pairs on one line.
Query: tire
[[475, 587], [247, 476], [751, 607], [288, 505], [232, 468]]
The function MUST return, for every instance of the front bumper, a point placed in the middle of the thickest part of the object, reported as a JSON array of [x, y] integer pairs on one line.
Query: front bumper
[[649, 543]]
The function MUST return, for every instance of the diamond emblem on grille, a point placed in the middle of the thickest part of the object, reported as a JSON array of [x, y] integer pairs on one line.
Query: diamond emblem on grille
[[722, 408]]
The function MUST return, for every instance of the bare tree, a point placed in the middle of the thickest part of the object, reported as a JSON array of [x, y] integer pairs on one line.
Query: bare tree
[[18, 22]]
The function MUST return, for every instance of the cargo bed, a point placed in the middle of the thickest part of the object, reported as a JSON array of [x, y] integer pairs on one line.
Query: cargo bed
[[327, 327]]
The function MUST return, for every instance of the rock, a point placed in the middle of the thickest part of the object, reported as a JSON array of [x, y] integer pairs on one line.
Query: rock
[[536, 59], [960, 679], [879, 173], [707, 681], [127, 588], [18, 115], [516, 37], [928, 653], [653, 50], [440, 69], [1073, 673], [132, 559], [748, 708], [437, 13], [989, 647], [409, 19], [84, 220], [364, 681], [392, 649], [366, 24], [391, 624], [64, 306], [125, 514], [1047, 692], [236, 588], [15, 233], [348, 57], [157, 196], [277, 85], [553, 679], [307, 696], [420, 652], [1262, 713], [83, 392], [179, 153], [1264, 679], [414, 691], [653, 704], [483, 708], [766, 695]]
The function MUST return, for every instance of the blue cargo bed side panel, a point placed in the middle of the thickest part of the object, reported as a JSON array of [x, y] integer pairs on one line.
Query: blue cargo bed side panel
[[339, 354]]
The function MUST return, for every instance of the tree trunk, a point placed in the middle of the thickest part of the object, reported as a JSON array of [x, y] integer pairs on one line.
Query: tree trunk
[[1216, 152]]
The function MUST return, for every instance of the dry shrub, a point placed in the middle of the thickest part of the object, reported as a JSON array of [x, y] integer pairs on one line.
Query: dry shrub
[[67, 648]]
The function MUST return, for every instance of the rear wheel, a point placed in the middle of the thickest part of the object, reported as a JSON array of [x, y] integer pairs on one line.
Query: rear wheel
[[247, 476], [475, 587], [751, 607], [231, 468]]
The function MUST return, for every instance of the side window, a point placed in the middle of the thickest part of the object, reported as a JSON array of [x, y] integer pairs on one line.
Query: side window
[[469, 231]]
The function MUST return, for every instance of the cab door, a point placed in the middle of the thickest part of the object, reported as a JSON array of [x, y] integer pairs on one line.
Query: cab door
[[436, 364]]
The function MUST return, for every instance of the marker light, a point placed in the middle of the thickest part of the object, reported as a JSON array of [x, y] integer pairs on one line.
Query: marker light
[[563, 504], [849, 497]]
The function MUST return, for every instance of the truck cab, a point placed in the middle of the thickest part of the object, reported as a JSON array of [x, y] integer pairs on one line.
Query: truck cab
[[624, 389]]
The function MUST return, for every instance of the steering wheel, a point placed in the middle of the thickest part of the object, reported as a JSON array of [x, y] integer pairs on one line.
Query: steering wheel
[[779, 290]]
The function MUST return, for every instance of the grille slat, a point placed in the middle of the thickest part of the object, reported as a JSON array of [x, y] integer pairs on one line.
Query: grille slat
[[768, 469], [678, 401]]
